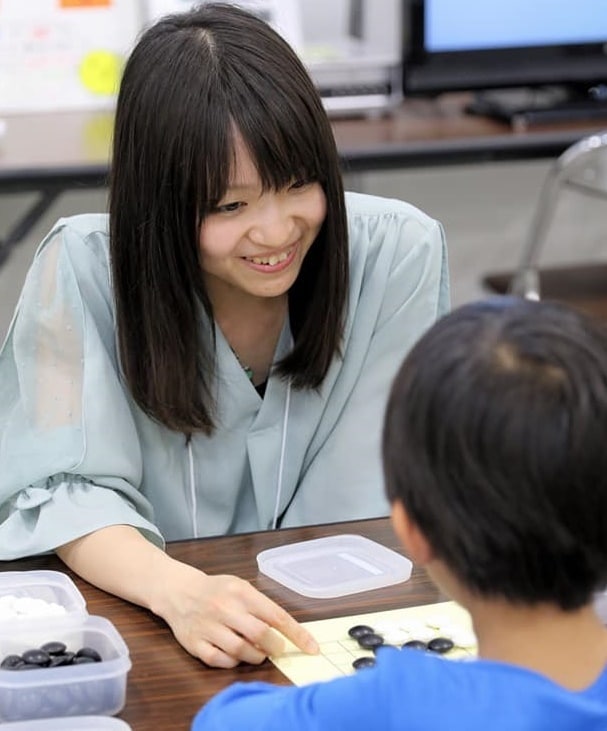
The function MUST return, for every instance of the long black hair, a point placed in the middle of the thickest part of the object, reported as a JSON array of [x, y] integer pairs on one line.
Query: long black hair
[[495, 441], [191, 82]]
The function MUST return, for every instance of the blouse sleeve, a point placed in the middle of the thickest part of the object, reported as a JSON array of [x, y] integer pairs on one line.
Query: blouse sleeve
[[401, 290], [70, 459]]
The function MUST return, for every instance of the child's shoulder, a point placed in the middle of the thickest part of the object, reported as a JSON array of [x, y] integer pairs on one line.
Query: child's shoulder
[[448, 692]]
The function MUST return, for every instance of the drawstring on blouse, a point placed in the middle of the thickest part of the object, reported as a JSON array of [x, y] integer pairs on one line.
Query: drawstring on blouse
[[281, 461], [193, 491]]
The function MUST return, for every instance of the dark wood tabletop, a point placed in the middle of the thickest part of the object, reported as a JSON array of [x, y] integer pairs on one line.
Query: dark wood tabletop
[[166, 686]]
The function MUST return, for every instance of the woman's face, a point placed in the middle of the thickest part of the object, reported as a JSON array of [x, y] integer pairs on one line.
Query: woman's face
[[254, 242]]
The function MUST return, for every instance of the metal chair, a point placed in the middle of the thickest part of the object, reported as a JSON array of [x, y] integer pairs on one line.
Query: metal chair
[[583, 167]]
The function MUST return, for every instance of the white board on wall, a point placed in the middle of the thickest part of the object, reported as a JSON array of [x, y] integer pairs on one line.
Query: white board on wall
[[59, 55]]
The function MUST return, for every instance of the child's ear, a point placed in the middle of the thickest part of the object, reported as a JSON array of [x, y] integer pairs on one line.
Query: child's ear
[[409, 534]]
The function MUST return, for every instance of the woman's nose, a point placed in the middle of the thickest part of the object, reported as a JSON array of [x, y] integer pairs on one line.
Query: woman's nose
[[273, 226]]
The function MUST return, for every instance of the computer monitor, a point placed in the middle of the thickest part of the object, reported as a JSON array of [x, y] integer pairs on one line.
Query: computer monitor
[[536, 57]]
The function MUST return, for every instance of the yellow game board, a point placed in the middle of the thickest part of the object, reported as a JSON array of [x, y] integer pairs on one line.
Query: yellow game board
[[397, 626]]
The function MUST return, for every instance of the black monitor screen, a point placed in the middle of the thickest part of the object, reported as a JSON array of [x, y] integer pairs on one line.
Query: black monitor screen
[[484, 44]]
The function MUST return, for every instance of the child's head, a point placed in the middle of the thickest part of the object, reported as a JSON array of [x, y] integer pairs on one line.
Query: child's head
[[495, 442]]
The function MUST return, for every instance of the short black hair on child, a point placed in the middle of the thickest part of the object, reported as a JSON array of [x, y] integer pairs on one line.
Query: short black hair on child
[[495, 441]]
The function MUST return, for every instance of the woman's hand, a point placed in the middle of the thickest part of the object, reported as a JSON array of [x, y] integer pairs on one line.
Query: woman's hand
[[224, 620]]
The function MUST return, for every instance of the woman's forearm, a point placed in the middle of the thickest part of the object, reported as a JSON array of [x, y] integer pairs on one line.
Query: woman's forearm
[[119, 560]]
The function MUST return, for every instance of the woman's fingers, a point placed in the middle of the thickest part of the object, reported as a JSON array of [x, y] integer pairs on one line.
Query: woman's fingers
[[211, 655], [275, 617], [224, 620], [224, 647], [256, 633]]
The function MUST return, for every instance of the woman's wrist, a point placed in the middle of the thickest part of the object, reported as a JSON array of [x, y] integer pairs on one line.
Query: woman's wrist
[[171, 582]]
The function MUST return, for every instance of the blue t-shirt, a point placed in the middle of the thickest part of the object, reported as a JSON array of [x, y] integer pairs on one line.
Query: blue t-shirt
[[413, 691]]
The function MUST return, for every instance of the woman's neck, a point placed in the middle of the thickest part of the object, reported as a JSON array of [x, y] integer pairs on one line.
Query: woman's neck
[[252, 329]]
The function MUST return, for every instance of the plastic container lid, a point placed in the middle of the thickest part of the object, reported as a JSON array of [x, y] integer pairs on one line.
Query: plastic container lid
[[66, 723], [49, 586], [334, 566]]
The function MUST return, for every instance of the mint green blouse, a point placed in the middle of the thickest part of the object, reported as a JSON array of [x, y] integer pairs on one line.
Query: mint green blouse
[[77, 454]]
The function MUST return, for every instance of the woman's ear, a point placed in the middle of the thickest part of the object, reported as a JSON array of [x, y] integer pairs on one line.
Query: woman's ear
[[416, 544]]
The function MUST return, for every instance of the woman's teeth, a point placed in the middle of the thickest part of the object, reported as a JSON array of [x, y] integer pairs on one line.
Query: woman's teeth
[[270, 260]]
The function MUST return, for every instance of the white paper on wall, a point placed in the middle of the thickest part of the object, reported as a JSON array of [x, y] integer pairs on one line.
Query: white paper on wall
[[63, 54]]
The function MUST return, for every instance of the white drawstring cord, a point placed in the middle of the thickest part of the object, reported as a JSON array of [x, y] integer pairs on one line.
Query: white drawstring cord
[[281, 462], [193, 492]]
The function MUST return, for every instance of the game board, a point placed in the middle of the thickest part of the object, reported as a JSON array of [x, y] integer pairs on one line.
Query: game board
[[397, 626]]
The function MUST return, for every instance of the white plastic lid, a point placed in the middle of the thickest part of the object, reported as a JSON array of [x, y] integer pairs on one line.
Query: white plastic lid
[[334, 566], [71, 723]]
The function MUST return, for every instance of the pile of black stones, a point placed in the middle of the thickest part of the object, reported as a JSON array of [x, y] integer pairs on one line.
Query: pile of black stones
[[50, 655], [369, 639]]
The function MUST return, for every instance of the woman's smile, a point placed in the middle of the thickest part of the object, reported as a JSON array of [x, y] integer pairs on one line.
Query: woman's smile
[[271, 263]]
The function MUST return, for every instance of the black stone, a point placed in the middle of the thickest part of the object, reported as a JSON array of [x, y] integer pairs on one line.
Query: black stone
[[66, 658], [11, 662], [83, 660], [363, 662], [54, 648], [415, 645], [89, 652], [369, 642], [440, 645], [36, 657], [360, 630]]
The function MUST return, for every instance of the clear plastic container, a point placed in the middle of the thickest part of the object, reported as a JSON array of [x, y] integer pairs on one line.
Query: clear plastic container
[[49, 586], [73, 690], [334, 566], [75, 723]]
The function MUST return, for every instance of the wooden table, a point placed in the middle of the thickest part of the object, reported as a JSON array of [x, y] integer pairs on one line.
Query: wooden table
[[166, 686]]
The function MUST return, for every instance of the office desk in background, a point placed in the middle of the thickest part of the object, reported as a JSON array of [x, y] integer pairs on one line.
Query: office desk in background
[[166, 686], [51, 153]]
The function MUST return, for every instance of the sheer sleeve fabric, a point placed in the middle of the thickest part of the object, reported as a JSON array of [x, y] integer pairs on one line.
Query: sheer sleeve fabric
[[70, 460]]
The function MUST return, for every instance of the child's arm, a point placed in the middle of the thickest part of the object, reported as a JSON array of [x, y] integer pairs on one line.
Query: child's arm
[[345, 704]]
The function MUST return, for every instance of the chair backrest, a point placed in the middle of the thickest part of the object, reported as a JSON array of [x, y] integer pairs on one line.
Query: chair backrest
[[583, 167]]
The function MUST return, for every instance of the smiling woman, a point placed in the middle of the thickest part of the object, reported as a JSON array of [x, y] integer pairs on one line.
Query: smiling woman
[[253, 244], [127, 417]]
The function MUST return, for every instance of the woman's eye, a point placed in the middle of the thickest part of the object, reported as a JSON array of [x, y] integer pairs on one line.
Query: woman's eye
[[301, 183], [228, 207]]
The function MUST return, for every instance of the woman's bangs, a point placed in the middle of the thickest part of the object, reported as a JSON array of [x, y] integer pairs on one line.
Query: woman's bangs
[[283, 146], [214, 176]]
